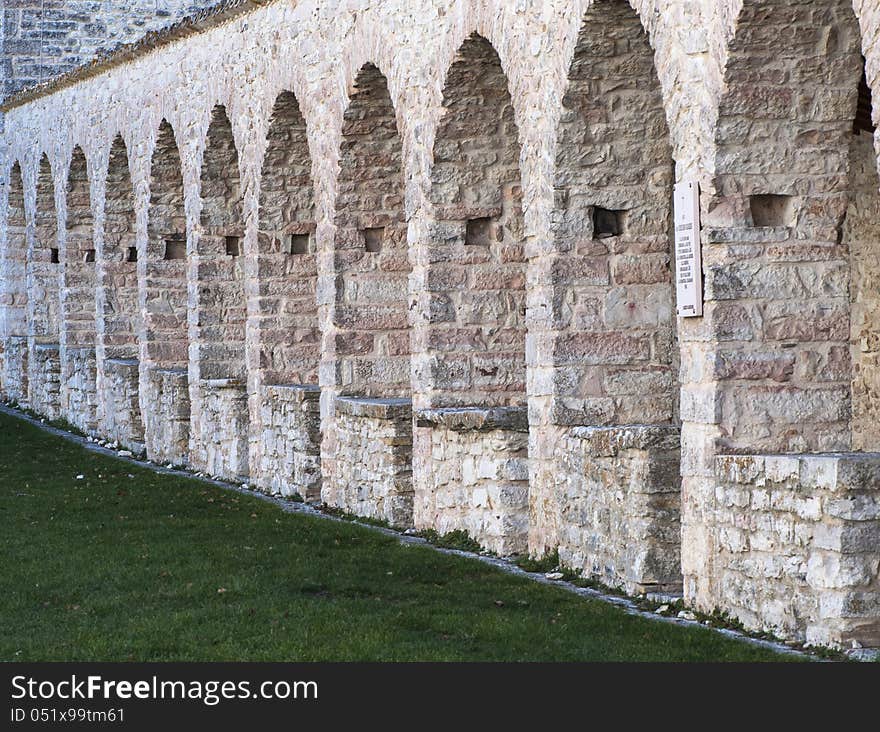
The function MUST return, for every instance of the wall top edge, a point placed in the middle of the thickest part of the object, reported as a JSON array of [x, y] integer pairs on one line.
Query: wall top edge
[[199, 22]]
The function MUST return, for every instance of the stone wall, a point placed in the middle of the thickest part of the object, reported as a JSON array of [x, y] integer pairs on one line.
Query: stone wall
[[475, 477], [519, 158], [290, 442], [619, 498], [15, 365], [862, 233], [222, 448], [44, 38], [79, 391], [120, 396], [167, 421], [370, 248], [610, 326], [473, 312], [796, 545], [44, 379], [373, 475]]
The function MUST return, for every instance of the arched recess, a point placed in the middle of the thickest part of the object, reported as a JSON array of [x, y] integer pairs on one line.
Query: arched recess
[[371, 339], [477, 266], [44, 302], [289, 333], [370, 248], [221, 308], [290, 342], [15, 348], [165, 402], [79, 304], [780, 270], [119, 307], [615, 354], [790, 258], [475, 322]]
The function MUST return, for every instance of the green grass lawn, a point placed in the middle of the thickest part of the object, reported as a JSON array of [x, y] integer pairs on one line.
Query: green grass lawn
[[125, 564]]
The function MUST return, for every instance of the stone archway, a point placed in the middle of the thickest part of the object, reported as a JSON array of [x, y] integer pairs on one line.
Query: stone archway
[[789, 300], [475, 325], [15, 347], [289, 332], [371, 322], [44, 302], [79, 393], [119, 318], [220, 442], [165, 401], [614, 407]]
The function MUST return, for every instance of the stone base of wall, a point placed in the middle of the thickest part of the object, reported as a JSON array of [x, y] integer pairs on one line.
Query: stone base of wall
[[222, 448], [122, 409], [166, 416], [477, 475], [45, 380], [373, 465], [797, 545], [619, 498], [15, 370], [290, 442], [79, 394]]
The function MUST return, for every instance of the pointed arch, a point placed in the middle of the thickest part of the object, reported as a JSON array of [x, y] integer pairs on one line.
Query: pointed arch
[[290, 338], [477, 265], [165, 313], [44, 300], [475, 324], [616, 356], [15, 348], [120, 309], [784, 141], [370, 248], [44, 265], [222, 308]]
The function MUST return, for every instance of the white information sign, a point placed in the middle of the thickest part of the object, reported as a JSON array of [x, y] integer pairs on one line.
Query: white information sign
[[688, 263]]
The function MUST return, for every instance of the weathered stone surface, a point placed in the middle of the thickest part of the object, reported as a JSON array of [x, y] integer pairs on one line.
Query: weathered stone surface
[[121, 411], [796, 545], [167, 416], [620, 502], [44, 379], [373, 460], [478, 476], [290, 443], [467, 205]]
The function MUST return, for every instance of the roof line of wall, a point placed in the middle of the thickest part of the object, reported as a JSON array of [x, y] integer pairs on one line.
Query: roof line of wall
[[198, 22]]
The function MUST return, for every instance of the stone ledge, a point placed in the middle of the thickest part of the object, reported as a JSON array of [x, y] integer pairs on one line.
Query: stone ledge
[[837, 472], [122, 364], [293, 392], [47, 347], [374, 408], [224, 384], [465, 419], [611, 441]]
